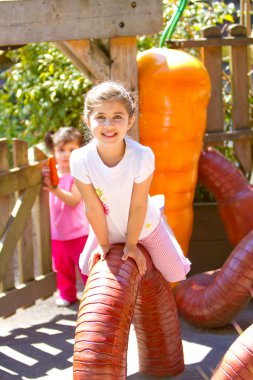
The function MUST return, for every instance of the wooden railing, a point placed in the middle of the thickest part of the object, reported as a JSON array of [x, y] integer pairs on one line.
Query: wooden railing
[[25, 251], [210, 51]]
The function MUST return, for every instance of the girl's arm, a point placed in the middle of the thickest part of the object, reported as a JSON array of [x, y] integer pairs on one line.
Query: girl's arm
[[70, 198], [137, 213], [95, 214]]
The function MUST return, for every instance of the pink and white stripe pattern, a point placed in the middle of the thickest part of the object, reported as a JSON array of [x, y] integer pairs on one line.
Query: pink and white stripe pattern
[[166, 253], [163, 249]]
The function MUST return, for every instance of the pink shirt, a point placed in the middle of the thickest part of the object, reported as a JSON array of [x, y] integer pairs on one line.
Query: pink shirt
[[67, 222]]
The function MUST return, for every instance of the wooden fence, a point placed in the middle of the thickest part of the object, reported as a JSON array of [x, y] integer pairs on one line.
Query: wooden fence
[[210, 51], [209, 247], [25, 251]]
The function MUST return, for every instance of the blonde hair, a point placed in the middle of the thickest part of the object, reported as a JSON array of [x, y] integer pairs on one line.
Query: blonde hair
[[109, 91]]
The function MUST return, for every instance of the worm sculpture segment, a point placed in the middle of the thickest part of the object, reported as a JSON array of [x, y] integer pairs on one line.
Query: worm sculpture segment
[[232, 191], [203, 299], [114, 293], [237, 363], [213, 300]]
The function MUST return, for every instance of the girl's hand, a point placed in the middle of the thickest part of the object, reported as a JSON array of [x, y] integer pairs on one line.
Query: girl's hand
[[99, 253], [46, 180], [135, 253]]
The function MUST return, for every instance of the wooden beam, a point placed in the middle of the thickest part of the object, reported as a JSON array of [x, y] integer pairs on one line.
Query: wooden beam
[[41, 230], [212, 59], [25, 243], [24, 21], [26, 294], [208, 42], [8, 281], [240, 96], [15, 225], [242, 134], [88, 58], [123, 53], [18, 179]]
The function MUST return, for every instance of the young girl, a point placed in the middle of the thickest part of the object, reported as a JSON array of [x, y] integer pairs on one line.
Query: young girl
[[69, 226], [113, 173]]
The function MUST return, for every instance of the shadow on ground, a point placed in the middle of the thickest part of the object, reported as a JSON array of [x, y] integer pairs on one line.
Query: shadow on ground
[[37, 343]]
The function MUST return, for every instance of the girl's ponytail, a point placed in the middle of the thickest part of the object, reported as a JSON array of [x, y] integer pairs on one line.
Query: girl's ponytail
[[49, 140]]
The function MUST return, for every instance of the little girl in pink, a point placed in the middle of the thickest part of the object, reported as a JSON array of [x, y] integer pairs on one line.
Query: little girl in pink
[[69, 226]]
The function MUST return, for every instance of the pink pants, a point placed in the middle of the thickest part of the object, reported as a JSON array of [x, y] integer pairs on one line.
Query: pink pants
[[65, 254], [162, 247]]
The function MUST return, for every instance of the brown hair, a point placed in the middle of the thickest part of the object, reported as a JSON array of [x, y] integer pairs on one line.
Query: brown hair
[[109, 91], [63, 136]]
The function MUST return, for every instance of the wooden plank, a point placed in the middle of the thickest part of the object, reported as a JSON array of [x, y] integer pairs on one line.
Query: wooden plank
[[25, 295], [207, 223], [25, 244], [19, 217], [242, 134], [7, 279], [20, 153], [208, 42], [35, 154], [240, 93], [4, 201], [212, 58], [43, 234], [208, 255], [123, 53], [88, 58], [24, 21], [18, 179], [209, 247]]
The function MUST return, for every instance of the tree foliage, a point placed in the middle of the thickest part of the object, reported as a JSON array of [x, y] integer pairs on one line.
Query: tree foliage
[[42, 91]]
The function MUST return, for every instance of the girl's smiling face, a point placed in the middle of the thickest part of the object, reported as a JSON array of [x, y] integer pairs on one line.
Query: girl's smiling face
[[109, 123]]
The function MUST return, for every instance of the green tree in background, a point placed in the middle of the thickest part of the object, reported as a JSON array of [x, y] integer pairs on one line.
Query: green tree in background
[[43, 90]]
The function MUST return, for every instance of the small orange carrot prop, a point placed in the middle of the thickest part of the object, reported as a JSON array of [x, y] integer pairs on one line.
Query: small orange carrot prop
[[53, 171]]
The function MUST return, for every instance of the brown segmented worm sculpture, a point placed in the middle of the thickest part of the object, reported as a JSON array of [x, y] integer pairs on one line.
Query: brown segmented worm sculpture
[[212, 300], [232, 191], [114, 293], [237, 363]]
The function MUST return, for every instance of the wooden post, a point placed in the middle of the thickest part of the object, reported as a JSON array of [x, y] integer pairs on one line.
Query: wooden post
[[7, 282], [88, 58], [25, 244], [240, 94], [123, 53], [41, 214], [212, 58]]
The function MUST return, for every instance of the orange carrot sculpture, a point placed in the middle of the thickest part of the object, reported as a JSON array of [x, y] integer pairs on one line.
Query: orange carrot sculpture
[[53, 171], [237, 363], [113, 293], [174, 90], [232, 192]]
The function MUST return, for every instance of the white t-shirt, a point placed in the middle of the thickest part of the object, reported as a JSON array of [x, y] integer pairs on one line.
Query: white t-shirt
[[114, 185]]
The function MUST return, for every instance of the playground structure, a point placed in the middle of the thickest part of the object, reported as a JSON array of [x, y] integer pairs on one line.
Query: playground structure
[[100, 59]]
